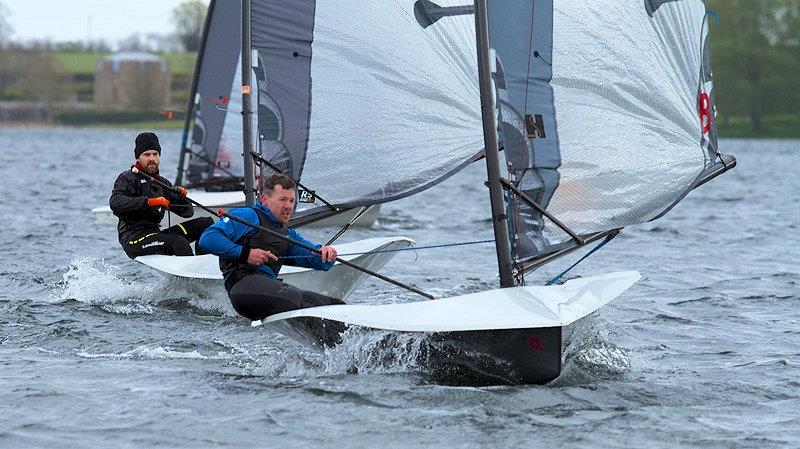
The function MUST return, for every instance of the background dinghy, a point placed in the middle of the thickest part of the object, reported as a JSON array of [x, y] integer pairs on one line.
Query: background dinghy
[[340, 281]]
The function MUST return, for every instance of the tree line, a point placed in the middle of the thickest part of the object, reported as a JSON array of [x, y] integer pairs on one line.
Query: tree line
[[756, 60], [755, 55], [29, 70]]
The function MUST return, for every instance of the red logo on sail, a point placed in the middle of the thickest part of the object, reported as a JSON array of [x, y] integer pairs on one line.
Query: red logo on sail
[[704, 108]]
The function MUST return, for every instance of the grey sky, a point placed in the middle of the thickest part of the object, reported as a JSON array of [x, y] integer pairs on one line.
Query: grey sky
[[67, 20]]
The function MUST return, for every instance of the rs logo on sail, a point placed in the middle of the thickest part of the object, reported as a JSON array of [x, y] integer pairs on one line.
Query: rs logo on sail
[[535, 128]]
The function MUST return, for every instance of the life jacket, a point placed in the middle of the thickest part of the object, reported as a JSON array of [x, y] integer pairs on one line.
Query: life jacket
[[233, 270]]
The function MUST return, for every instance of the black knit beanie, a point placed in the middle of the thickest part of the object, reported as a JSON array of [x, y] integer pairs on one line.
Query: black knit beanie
[[145, 142]]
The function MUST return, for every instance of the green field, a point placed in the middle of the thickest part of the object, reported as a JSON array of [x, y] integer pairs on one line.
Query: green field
[[83, 63], [783, 126], [80, 71]]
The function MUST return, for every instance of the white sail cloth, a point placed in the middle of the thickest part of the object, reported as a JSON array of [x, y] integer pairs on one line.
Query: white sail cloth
[[625, 89]]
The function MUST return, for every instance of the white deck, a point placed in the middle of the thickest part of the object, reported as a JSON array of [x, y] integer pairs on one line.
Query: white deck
[[340, 281], [508, 308]]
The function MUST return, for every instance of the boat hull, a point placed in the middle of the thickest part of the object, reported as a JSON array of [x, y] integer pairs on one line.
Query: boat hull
[[514, 335], [486, 357], [505, 356]]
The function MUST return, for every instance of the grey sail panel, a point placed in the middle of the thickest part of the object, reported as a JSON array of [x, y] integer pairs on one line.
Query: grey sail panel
[[363, 102], [621, 139], [282, 33], [214, 152], [520, 33]]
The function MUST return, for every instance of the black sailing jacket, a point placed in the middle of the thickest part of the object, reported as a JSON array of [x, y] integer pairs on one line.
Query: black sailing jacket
[[129, 202]]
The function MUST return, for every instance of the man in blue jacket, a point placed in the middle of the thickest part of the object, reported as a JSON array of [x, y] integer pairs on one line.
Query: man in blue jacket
[[250, 259]]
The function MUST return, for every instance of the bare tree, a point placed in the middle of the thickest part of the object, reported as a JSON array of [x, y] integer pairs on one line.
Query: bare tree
[[5, 27], [133, 42], [31, 75], [189, 18]]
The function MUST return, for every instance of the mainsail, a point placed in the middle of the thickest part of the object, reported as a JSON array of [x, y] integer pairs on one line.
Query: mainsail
[[361, 102], [606, 112]]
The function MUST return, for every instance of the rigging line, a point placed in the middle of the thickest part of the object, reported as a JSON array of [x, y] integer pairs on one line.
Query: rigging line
[[359, 214], [413, 248], [530, 46], [509, 185], [606, 240], [292, 241], [260, 158]]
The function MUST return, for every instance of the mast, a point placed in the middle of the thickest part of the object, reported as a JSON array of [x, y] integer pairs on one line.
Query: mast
[[247, 109], [499, 219]]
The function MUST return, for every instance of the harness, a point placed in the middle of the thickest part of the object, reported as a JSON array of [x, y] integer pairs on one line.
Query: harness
[[234, 270]]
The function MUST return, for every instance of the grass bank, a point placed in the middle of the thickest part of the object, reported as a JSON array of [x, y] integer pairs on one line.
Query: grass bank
[[119, 119], [783, 126], [83, 63]]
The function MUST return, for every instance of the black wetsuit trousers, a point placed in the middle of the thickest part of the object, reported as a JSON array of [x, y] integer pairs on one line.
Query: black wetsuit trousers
[[256, 296], [173, 241]]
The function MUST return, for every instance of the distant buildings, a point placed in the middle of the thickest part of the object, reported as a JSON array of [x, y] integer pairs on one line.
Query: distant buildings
[[132, 81]]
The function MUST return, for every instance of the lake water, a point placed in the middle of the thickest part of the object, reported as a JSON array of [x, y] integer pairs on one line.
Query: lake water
[[99, 351]]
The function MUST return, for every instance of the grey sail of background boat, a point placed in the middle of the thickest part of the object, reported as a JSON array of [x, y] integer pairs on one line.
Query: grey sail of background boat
[[211, 134]]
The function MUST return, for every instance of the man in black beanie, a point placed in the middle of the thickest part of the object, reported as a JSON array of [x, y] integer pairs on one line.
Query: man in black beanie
[[140, 205]]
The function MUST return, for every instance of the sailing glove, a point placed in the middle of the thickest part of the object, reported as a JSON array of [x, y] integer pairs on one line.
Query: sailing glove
[[181, 191], [158, 202]]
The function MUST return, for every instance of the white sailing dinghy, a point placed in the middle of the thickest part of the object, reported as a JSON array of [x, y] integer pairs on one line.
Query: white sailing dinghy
[[214, 132], [209, 164], [214, 200], [340, 281], [605, 114]]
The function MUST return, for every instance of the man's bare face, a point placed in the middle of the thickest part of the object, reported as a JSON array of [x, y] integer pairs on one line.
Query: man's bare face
[[280, 202], [150, 160]]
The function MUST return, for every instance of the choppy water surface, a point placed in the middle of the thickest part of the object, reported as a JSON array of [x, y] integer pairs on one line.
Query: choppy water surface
[[98, 351]]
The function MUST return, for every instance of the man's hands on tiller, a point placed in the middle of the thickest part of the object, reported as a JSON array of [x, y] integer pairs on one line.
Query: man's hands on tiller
[[328, 253], [258, 256], [158, 202]]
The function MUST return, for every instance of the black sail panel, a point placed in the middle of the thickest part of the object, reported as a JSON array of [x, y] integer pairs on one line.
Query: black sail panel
[[213, 154]]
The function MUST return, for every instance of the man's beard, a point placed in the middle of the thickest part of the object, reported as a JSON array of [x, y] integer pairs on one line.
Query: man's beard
[[152, 168]]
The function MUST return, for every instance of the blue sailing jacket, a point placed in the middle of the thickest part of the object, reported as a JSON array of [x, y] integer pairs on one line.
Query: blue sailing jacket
[[221, 238]]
